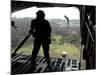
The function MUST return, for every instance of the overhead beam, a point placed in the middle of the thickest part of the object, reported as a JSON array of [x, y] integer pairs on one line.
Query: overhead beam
[[19, 5]]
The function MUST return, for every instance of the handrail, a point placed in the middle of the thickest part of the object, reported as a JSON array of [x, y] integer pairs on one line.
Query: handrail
[[21, 44]]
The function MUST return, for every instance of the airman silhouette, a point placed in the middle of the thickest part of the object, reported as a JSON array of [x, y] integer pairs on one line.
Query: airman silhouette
[[41, 31]]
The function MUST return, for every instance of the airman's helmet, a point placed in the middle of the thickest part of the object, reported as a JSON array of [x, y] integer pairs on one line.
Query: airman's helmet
[[40, 12]]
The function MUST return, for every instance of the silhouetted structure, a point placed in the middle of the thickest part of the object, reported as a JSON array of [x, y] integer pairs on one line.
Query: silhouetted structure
[[41, 31], [89, 36], [13, 24]]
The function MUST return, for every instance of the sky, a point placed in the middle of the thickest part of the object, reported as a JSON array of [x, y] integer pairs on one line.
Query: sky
[[51, 13]]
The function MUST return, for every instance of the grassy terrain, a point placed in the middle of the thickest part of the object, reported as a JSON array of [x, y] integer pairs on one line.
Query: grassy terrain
[[56, 48]]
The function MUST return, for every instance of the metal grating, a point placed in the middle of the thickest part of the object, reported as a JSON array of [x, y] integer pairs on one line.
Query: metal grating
[[21, 65]]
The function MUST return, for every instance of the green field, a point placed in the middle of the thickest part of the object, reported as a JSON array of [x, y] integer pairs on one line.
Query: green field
[[56, 48]]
